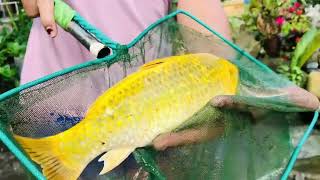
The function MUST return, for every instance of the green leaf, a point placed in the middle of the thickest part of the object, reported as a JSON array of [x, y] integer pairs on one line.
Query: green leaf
[[7, 72], [3, 56], [299, 78], [285, 28], [235, 22], [310, 42], [14, 48], [270, 4]]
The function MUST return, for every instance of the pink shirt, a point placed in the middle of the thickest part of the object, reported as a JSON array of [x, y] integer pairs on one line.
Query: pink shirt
[[121, 20]]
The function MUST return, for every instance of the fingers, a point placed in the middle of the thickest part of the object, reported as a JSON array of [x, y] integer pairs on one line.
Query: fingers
[[46, 10], [161, 142], [222, 101], [229, 102], [189, 136]]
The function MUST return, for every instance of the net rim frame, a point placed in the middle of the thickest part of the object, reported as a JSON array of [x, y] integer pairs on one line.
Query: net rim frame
[[29, 165], [113, 46]]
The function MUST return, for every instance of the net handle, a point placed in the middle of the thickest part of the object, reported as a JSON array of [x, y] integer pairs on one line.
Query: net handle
[[65, 17]]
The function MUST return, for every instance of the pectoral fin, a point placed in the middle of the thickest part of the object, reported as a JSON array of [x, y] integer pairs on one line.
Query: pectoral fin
[[114, 157]]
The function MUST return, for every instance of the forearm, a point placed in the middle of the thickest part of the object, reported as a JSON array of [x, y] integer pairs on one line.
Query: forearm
[[188, 136], [295, 96], [302, 98], [210, 12], [31, 8]]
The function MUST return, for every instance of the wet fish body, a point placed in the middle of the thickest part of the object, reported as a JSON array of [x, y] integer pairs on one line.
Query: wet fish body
[[156, 99]]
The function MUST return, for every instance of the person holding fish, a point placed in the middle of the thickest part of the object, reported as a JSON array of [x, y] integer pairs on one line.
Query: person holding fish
[[59, 155], [40, 44]]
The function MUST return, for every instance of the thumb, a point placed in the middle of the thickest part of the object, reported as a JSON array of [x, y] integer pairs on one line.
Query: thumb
[[222, 101], [46, 10]]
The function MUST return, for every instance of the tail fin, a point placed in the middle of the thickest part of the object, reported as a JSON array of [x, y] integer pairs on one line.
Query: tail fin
[[44, 152]]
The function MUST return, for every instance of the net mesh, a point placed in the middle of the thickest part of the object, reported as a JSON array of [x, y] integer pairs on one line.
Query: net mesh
[[246, 147]]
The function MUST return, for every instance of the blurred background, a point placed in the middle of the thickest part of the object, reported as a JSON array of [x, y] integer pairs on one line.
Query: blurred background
[[14, 32]]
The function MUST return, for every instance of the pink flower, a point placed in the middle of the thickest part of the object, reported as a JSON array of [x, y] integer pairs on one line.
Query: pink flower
[[280, 20], [296, 5]]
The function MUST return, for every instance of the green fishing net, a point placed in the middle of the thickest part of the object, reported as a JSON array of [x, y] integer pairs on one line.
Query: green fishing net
[[252, 144]]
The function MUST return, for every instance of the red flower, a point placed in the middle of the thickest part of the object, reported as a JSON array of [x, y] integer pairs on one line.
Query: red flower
[[299, 12], [280, 20], [292, 9], [296, 5]]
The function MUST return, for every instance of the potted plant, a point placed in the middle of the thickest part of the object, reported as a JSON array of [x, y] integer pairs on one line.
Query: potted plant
[[282, 27]]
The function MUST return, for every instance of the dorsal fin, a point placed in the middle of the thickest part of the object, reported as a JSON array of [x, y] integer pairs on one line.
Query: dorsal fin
[[152, 64]]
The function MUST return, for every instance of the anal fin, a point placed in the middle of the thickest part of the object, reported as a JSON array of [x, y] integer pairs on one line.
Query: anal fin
[[114, 157]]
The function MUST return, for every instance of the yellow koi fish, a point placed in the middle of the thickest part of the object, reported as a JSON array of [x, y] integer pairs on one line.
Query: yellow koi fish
[[156, 99]]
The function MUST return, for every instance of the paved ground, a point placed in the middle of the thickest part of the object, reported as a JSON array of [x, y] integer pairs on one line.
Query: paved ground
[[10, 168]]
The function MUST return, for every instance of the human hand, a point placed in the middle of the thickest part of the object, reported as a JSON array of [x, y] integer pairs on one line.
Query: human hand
[[204, 133], [44, 9], [185, 137]]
